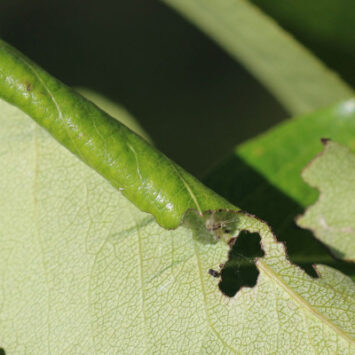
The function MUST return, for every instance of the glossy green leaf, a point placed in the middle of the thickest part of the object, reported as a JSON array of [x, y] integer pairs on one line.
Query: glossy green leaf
[[331, 218], [82, 270], [300, 140], [295, 77]]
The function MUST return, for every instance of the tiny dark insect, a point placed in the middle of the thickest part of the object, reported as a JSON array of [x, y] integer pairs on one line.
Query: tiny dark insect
[[214, 273]]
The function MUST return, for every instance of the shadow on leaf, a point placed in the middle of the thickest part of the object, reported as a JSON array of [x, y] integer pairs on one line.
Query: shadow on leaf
[[240, 270], [237, 181]]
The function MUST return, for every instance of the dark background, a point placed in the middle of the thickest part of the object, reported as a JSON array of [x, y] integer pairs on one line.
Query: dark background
[[193, 99]]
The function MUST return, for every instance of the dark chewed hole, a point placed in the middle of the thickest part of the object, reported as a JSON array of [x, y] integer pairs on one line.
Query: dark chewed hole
[[240, 270]]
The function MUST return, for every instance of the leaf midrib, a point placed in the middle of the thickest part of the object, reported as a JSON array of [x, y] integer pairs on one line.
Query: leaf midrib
[[271, 274], [301, 301]]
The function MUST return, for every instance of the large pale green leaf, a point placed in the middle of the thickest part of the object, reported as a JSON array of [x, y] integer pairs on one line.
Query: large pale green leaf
[[84, 271], [296, 78], [333, 173]]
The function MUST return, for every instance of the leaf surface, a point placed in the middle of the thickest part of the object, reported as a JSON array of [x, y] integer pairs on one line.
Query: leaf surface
[[292, 74], [82, 270], [263, 175], [333, 174]]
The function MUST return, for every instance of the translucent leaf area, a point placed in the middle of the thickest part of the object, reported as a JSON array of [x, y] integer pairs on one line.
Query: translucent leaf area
[[84, 271], [333, 173]]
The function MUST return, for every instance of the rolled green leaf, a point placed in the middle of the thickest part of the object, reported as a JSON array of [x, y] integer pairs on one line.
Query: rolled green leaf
[[144, 175]]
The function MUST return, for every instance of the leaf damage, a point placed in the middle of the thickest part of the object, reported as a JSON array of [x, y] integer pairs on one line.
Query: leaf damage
[[247, 245], [332, 173]]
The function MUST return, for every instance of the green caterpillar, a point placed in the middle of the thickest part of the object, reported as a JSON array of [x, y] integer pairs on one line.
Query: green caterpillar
[[144, 175]]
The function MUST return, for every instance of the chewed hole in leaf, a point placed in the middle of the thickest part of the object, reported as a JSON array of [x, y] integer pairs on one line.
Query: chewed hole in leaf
[[240, 270]]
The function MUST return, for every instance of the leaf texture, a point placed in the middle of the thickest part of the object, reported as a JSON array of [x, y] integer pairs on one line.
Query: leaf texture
[[82, 270], [331, 218]]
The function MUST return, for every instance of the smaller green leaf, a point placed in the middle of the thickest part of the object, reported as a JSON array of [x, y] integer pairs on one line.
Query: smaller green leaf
[[332, 217]]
